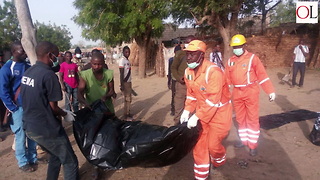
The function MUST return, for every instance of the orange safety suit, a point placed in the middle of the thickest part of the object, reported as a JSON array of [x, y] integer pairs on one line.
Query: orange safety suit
[[246, 73], [208, 95]]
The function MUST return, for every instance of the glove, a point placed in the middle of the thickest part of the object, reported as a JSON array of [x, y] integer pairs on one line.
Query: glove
[[192, 122], [184, 116], [272, 97], [69, 117]]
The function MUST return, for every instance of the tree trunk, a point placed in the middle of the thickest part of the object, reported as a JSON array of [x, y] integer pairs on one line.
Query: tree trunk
[[316, 55], [227, 30], [263, 24], [314, 51], [142, 44], [142, 61], [28, 40], [160, 61], [134, 55], [263, 17], [225, 34]]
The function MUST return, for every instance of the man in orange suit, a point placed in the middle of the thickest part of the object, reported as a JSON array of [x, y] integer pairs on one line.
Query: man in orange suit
[[208, 100], [245, 72]]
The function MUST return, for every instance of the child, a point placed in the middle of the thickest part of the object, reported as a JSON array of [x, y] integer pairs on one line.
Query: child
[[125, 82]]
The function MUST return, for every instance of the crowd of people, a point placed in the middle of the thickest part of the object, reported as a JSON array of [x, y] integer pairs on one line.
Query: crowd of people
[[30, 94], [204, 91]]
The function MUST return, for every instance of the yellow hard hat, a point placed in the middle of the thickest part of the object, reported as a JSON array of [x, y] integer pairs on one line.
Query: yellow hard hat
[[238, 40], [196, 45]]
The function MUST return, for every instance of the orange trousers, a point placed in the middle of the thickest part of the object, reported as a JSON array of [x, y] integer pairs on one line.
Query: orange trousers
[[246, 107], [209, 147]]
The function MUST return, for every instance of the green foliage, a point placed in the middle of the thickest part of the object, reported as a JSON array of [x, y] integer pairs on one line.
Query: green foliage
[[210, 10], [11, 31], [59, 35], [9, 25], [285, 12], [120, 21], [250, 7]]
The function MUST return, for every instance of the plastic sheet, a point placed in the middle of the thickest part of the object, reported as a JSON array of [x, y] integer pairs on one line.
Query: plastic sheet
[[276, 120], [315, 133], [315, 136], [110, 143]]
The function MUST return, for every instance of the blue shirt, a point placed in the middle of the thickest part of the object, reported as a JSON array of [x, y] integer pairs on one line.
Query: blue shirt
[[10, 80]]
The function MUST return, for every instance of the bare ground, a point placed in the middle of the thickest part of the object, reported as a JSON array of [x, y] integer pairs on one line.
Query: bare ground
[[284, 152]]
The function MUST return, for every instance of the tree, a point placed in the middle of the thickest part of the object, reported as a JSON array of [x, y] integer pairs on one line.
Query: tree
[[59, 35], [263, 8], [115, 22], [9, 26], [28, 39], [221, 15], [283, 13], [15, 17], [259, 8]]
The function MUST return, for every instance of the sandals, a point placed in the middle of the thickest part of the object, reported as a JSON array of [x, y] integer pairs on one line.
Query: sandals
[[27, 168]]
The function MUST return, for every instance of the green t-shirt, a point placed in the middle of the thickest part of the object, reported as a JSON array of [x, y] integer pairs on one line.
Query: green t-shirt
[[95, 88]]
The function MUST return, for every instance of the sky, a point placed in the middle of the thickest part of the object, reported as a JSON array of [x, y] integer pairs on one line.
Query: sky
[[59, 12]]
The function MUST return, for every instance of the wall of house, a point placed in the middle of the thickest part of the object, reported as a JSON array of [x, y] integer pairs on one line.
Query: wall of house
[[274, 51]]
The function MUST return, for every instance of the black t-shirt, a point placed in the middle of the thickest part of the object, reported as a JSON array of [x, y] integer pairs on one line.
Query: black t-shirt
[[39, 86]]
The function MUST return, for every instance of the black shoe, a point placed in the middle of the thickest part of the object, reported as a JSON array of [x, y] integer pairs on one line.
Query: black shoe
[[238, 144], [253, 152], [27, 168], [34, 165]]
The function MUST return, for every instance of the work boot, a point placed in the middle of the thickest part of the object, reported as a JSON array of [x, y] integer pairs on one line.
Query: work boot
[[238, 144], [253, 152]]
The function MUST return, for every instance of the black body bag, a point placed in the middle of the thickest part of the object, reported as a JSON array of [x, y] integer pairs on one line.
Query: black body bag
[[110, 143], [315, 133]]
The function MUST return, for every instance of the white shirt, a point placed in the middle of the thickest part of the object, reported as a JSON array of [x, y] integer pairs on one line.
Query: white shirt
[[299, 55], [125, 64]]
